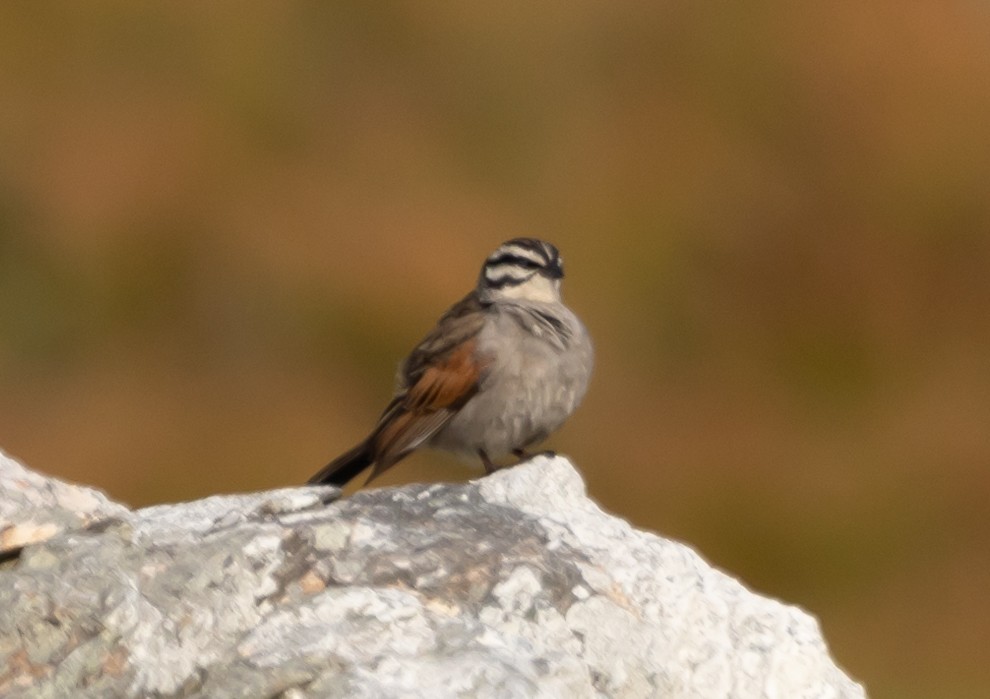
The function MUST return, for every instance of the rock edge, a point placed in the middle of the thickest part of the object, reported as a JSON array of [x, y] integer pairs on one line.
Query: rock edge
[[515, 585]]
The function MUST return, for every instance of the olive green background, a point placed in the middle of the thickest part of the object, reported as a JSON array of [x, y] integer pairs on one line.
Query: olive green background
[[222, 224]]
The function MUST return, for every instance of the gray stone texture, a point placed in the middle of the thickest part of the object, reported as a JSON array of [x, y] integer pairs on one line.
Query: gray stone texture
[[515, 585]]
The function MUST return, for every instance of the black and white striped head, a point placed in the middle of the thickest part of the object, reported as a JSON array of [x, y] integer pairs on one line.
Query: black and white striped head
[[522, 268]]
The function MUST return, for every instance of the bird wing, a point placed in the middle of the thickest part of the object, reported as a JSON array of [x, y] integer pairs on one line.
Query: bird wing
[[439, 376], [461, 323]]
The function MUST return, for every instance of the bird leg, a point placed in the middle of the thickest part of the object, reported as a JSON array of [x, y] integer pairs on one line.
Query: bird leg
[[490, 466], [522, 455]]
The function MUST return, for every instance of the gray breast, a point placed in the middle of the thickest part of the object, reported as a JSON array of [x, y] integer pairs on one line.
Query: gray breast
[[541, 364]]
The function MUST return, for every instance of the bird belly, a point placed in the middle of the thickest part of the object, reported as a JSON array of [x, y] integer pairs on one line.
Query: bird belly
[[530, 389]]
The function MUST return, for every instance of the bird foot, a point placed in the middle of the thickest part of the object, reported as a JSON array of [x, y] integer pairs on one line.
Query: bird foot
[[524, 455], [520, 454], [490, 466]]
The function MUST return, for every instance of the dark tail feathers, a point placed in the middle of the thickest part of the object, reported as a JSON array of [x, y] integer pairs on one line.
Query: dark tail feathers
[[345, 467]]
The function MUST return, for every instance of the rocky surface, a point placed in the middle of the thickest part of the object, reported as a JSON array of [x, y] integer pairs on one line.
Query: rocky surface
[[516, 585]]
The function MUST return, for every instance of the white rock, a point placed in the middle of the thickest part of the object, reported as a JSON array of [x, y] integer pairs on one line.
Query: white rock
[[516, 585]]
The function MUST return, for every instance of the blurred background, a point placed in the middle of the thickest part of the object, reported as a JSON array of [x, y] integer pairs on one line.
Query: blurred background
[[222, 225]]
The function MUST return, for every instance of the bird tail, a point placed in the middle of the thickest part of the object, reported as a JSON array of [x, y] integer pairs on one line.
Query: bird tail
[[345, 467]]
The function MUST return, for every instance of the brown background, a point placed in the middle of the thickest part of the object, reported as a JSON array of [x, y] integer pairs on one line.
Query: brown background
[[222, 224]]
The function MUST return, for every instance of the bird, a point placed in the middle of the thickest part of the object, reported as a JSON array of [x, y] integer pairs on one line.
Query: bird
[[502, 369]]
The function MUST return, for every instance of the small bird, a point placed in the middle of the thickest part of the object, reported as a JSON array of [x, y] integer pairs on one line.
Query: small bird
[[504, 367]]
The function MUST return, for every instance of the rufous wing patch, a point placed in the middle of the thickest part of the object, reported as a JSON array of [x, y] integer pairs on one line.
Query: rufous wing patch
[[443, 387], [447, 383]]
